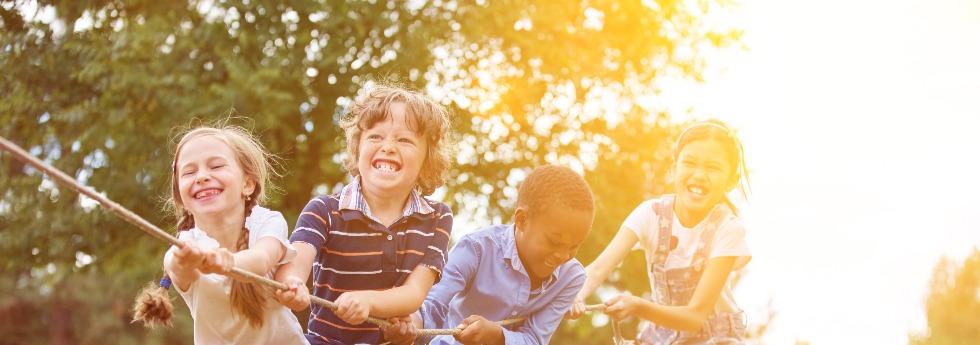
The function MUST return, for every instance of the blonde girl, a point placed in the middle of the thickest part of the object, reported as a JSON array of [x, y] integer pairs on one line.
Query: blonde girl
[[220, 176], [693, 241]]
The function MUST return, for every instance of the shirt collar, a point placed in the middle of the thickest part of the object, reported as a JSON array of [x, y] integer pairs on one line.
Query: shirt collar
[[351, 198]]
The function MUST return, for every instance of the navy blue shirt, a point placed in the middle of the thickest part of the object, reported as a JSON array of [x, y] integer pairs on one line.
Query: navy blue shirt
[[356, 252]]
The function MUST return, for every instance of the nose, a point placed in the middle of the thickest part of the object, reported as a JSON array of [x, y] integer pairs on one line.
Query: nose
[[561, 256], [202, 176], [388, 146], [699, 173]]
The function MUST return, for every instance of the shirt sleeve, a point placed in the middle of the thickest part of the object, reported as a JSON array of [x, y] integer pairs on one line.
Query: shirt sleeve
[[272, 224], [313, 224], [643, 222], [540, 326], [436, 255], [458, 273], [730, 241]]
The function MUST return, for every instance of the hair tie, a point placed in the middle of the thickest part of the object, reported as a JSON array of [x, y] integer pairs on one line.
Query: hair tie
[[725, 129], [165, 282]]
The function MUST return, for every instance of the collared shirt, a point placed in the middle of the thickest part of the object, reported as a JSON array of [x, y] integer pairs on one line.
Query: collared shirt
[[485, 276], [356, 252]]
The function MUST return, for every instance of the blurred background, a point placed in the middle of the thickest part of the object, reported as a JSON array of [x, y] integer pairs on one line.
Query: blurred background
[[859, 120]]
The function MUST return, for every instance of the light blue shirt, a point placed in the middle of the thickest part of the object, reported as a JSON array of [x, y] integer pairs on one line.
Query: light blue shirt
[[484, 276]]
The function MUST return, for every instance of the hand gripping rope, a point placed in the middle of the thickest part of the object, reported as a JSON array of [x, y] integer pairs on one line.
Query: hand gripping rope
[[153, 230]]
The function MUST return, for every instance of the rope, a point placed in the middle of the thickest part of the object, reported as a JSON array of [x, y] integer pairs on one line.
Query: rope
[[153, 230]]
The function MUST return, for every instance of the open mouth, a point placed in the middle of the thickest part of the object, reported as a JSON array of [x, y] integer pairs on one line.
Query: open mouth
[[386, 165], [697, 190], [207, 193]]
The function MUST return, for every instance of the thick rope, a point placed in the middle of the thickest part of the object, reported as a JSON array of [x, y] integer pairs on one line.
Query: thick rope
[[153, 230]]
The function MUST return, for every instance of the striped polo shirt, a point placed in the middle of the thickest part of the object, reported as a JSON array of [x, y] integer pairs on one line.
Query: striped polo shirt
[[357, 252]]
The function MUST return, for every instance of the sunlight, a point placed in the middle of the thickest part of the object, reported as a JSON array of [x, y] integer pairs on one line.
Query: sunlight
[[843, 126]]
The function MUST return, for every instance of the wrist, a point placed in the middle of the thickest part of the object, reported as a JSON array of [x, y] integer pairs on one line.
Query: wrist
[[499, 336]]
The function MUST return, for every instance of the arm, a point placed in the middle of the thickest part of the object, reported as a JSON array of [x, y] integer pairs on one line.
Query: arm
[[603, 266], [295, 274], [354, 307], [308, 236], [456, 278], [269, 228], [261, 257], [690, 317]]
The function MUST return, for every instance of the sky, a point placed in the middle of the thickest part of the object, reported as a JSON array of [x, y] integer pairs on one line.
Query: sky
[[860, 121]]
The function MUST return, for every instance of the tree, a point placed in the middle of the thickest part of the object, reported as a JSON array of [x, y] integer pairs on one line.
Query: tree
[[96, 87], [953, 304]]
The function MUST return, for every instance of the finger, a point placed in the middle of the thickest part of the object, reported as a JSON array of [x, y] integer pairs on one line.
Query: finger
[[351, 311], [471, 333], [408, 329], [470, 320], [613, 300]]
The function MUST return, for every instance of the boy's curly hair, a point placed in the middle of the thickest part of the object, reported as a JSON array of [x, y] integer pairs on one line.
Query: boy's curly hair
[[550, 186], [430, 119]]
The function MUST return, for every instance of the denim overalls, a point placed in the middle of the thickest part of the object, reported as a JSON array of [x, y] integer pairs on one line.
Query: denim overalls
[[676, 286]]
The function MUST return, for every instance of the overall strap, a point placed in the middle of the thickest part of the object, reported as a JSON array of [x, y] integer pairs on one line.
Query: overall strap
[[718, 216], [664, 209]]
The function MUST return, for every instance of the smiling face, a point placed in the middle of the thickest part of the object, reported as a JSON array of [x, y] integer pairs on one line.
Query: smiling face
[[391, 154], [210, 181], [549, 238], [702, 175]]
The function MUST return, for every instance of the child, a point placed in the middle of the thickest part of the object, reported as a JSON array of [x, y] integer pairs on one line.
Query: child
[[377, 246], [522, 270], [693, 241], [220, 175]]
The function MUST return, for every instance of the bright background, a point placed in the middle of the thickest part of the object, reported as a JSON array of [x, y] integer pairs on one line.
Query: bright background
[[860, 122]]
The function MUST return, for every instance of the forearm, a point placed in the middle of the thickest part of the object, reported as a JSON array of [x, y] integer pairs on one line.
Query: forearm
[[300, 266], [260, 258], [252, 261], [684, 318], [399, 301], [608, 260], [595, 276]]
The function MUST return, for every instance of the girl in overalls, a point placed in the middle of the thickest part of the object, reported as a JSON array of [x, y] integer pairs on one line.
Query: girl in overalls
[[693, 241]]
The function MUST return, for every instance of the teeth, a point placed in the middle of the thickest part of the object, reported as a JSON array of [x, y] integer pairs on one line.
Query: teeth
[[696, 190], [206, 193], [388, 167]]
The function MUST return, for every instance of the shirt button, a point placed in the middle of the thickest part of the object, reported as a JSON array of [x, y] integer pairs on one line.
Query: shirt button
[[513, 313], [389, 237]]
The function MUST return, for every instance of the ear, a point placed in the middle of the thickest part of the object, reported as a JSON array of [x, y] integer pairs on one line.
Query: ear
[[520, 219], [732, 182], [249, 187]]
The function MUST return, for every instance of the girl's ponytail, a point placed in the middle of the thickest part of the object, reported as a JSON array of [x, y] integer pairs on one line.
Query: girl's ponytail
[[153, 305], [248, 299]]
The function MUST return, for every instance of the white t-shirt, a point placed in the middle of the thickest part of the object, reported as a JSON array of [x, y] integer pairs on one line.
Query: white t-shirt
[[729, 240], [208, 298]]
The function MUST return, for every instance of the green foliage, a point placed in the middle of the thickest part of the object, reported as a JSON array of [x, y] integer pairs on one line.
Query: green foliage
[[97, 87], [953, 305]]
